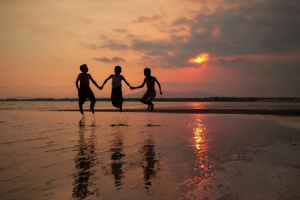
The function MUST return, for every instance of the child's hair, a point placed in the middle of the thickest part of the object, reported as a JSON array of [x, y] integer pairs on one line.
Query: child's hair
[[82, 66], [118, 68], [147, 71]]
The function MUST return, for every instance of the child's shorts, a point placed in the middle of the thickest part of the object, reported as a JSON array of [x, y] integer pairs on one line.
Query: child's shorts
[[117, 97], [149, 96]]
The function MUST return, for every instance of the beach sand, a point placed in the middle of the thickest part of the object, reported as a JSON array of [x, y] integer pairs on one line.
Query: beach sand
[[139, 155]]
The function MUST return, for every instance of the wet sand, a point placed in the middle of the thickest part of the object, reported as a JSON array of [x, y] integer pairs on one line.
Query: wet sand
[[284, 112], [144, 155]]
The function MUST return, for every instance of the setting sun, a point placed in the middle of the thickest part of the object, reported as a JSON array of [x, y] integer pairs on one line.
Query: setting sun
[[200, 58]]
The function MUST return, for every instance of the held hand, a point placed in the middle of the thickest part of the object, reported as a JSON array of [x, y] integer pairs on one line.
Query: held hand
[[100, 87], [132, 88]]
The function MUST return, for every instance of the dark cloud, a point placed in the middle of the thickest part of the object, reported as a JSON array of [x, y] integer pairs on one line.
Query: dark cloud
[[265, 27], [107, 60], [253, 28], [153, 48], [277, 67], [173, 31], [248, 28], [143, 19], [178, 38], [180, 21], [134, 37], [114, 45]]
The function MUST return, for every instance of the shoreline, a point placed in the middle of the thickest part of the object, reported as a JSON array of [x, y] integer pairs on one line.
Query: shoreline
[[282, 112]]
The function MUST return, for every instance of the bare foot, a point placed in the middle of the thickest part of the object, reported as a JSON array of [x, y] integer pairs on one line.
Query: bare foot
[[148, 107], [93, 120], [82, 121], [121, 109]]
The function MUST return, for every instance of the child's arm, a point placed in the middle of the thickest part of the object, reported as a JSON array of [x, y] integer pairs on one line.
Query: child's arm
[[94, 82], [158, 85], [106, 81], [122, 78], [140, 85], [76, 83]]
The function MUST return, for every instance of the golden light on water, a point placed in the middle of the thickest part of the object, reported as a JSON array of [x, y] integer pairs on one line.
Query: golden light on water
[[200, 58], [202, 163], [198, 138], [198, 105]]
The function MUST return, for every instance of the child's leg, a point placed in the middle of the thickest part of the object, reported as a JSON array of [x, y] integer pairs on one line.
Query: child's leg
[[82, 97], [80, 106], [120, 100], [93, 100], [152, 106], [151, 97], [148, 107], [145, 102], [144, 98]]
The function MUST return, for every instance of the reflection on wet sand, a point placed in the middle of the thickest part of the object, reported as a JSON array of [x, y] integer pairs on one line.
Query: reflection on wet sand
[[151, 168], [203, 164], [84, 161], [117, 154]]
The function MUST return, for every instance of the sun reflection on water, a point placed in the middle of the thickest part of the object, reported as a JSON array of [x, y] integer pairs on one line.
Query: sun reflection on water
[[200, 147], [204, 164], [201, 163], [198, 137], [198, 105]]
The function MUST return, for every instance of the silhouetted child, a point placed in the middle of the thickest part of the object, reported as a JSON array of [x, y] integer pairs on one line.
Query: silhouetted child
[[84, 91], [116, 92], [150, 93]]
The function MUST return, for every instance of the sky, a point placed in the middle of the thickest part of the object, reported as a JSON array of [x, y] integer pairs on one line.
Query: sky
[[249, 48]]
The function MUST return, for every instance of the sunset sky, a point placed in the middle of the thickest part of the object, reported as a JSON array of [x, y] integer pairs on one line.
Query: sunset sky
[[250, 48]]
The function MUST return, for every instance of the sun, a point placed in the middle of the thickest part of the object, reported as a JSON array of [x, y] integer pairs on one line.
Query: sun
[[200, 58]]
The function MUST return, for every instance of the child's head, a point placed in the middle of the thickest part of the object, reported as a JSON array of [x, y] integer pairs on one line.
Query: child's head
[[147, 72], [118, 70], [84, 68]]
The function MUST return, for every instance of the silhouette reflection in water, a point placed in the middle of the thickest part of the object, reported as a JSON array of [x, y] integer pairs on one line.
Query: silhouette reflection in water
[[84, 160], [117, 155], [150, 169]]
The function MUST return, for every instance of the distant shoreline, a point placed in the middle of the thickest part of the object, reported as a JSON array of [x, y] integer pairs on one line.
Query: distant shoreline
[[207, 99]]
